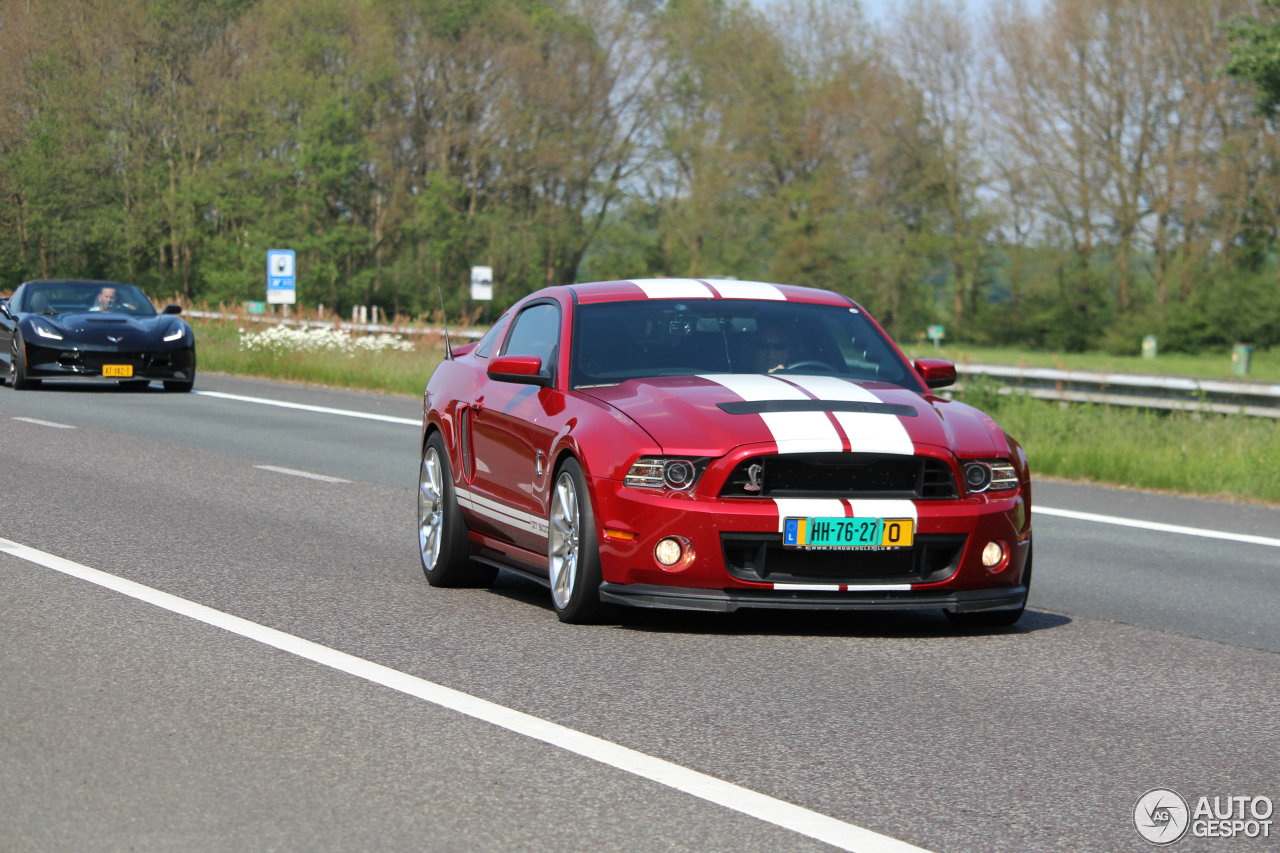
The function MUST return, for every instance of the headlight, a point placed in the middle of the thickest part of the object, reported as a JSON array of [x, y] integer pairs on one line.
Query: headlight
[[662, 472], [994, 475], [45, 330], [177, 333]]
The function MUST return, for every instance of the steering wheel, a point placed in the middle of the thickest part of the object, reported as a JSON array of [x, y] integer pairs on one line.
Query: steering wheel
[[809, 362]]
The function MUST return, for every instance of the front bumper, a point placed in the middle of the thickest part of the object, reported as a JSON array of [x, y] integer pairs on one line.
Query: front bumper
[[739, 560], [86, 362], [729, 600]]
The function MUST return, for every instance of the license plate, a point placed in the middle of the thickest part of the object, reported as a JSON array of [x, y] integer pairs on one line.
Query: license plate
[[119, 370], [848, 534]]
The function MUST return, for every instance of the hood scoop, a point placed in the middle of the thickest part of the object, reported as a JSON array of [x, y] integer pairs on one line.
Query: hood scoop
[[759, 407]]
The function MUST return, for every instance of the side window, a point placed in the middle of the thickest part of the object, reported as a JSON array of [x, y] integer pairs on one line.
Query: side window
[[490, 337], [536, 332]]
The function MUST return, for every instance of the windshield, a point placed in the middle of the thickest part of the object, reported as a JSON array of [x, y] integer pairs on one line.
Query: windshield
[[63, 297], [617, 341]]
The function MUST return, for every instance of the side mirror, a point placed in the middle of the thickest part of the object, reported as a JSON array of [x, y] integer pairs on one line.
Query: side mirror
[[4, 308], [523, 369], [172, 309], [935, 372]]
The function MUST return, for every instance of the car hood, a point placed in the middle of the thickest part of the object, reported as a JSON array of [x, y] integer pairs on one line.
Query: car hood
[[110, 330], [712, 414]]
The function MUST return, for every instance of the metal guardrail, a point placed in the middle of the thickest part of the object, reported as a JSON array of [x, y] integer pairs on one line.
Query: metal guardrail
[[1126, 389]]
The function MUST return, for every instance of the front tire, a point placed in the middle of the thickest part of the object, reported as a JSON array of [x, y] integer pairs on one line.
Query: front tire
[[18, 366], [573, 552], [442, 534]]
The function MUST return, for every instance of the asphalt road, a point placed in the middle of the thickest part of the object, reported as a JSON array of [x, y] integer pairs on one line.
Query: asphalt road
[[1148, 660]]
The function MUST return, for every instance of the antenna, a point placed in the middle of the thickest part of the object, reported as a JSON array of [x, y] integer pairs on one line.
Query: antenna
[[444, 324]]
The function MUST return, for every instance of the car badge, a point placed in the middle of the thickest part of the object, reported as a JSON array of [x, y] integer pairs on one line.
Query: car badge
[[754, 470], [115, 340]]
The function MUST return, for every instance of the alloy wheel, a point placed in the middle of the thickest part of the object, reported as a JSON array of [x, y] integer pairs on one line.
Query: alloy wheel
[[563, 540]]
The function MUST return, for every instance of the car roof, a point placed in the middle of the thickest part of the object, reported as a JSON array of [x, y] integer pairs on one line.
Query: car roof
[[625, 290]]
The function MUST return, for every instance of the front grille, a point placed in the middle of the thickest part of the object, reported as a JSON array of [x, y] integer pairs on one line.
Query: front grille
[[761, 557], [844, 475]]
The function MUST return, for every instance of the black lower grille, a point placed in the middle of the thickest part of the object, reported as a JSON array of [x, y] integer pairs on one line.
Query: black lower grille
[[849, 475], [761, 557]]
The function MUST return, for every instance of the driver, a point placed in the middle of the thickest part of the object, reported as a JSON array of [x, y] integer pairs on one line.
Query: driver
[[106, 300], [770, 350]]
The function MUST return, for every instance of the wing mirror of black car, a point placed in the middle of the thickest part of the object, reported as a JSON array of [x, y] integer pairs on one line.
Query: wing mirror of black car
[[172, 309], [935, 372], [524, 369], [4, 308]]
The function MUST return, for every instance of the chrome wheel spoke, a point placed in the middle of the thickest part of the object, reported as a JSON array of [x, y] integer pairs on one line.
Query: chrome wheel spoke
[[430, 508], [562, 542]]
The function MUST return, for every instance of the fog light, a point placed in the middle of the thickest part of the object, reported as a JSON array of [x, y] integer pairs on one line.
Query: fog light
[[992, 555], [669, 551]]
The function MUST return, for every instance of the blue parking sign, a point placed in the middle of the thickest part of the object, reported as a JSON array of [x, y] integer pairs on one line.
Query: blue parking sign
[[282, 280]]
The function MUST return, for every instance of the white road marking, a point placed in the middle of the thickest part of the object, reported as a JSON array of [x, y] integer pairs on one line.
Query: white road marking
[[324, 478], [39, 422], [1157, 526], [845, 836], [323, 410]]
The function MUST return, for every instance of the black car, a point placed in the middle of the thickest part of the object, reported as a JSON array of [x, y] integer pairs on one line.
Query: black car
[[72, 329]]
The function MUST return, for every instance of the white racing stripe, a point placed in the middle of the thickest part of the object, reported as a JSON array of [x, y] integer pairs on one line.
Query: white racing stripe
[[845, 836], [867, 432], [502, 513], [842, 508], [793, 432], [673, 288], [1157, 526], [748, 290], [321, 410]]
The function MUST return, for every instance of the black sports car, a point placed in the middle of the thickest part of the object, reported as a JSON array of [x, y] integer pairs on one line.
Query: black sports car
[[69, 329]]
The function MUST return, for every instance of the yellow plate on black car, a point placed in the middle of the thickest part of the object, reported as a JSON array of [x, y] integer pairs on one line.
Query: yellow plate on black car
[[119, 371]]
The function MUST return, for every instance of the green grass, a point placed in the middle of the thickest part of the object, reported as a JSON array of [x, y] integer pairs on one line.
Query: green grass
[[1230, 457], [389, 372]]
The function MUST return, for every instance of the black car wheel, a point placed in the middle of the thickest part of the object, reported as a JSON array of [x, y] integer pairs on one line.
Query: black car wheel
[[442, 534], [18, 366], [996, 618], [573, 554]]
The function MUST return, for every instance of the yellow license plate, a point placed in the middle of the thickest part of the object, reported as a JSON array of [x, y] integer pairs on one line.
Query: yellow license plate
[[122, 371]]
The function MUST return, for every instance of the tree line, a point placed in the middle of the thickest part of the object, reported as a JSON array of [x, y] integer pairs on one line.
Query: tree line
[[1073, 175]]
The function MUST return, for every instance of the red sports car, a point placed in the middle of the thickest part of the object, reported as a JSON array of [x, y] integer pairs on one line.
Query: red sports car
[[711, 445]]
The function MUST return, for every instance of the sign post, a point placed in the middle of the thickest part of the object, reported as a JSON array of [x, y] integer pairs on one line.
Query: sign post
[[282, 279]]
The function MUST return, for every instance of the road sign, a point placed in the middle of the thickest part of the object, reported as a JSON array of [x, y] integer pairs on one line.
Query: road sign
[[482, 284], [282, 280]]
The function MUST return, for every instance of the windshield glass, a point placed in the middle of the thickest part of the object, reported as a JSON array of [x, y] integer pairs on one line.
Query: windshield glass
[[617, 341], [71, 297]]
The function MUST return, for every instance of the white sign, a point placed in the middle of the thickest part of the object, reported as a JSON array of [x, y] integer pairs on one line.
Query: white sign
[[482, 284], [282, 282]]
